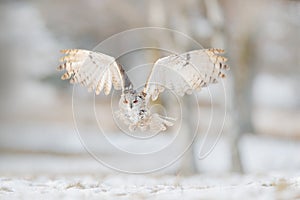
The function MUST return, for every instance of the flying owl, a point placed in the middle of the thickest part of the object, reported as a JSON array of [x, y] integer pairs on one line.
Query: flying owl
[[182, 73]]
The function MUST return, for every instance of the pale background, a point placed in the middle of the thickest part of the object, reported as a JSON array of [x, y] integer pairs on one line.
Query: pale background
[[261, 137]]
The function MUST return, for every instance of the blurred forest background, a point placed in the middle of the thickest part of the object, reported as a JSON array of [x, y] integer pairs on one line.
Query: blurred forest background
[[261, 38]]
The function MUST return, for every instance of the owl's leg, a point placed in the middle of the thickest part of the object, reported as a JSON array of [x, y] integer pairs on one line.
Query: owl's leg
[[143, 128], [132, 127], [160, 123], [119, 114]]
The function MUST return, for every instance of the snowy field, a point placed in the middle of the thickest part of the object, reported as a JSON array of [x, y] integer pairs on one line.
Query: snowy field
[[38, 169], [120, 186]]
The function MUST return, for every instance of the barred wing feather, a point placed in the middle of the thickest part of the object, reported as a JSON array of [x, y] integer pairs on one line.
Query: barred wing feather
[[186, 72], [94, 70]]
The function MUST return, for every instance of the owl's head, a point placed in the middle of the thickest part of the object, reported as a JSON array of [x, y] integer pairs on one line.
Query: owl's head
[[132, 100], [134, 106]]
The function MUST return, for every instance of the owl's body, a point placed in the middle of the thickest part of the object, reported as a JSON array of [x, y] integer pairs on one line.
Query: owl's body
[[180, 73], [134, 110]]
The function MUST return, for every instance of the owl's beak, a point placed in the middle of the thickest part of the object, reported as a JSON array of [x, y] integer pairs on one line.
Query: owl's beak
[[130, 105]]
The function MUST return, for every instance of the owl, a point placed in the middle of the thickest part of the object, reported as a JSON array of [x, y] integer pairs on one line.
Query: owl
[[183, 74]]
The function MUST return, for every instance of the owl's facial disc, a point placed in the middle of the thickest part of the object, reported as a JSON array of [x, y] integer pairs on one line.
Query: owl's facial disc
[[130, 100]]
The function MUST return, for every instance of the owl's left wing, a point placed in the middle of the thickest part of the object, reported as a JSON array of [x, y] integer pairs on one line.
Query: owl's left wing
[[185, 72], [95, 70]]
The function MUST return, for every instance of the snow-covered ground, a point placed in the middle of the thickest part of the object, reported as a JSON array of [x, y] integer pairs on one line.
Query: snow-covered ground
[[53, 165], [120, 186]]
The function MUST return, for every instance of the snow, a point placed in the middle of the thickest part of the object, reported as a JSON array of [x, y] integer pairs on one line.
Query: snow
[[272, 170], [122, 186]]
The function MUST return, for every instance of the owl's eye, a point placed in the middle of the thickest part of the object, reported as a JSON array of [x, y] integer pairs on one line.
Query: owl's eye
[[125, 101], [135, 101]]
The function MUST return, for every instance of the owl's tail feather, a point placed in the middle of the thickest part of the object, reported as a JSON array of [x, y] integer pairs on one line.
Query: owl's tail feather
[[160, 123]]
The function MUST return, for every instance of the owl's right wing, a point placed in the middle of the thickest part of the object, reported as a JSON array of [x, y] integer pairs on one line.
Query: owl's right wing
[[94, 70], [185, 72]]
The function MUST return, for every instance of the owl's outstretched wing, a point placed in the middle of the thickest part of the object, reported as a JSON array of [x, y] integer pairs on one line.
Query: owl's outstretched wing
[[94, 70], [185, 72]]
